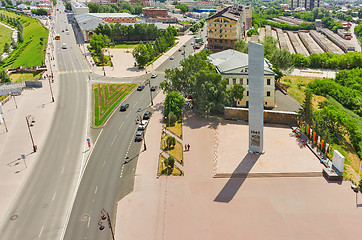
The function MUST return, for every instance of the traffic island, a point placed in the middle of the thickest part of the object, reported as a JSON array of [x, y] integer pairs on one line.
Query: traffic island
[[165, 169], [106, 98], [175, 150]]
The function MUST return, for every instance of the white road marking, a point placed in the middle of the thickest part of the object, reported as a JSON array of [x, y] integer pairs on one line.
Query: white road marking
[[88, 224], [114, 140], [95, 192], [120, 126], [63, 170], [104, 163], [54, 196], [41, 230], [128, 114]]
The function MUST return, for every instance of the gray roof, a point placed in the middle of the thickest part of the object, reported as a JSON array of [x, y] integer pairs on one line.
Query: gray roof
[[89, 22], [78, 5], [104, 15], [229, 60]]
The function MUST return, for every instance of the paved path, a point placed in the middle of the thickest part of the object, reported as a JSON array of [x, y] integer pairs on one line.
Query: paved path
[[124, 62], [14, 36], [198, 206]]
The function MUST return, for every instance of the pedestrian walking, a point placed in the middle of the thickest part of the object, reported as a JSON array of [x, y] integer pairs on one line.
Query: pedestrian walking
[[185, 147], [188, 147]]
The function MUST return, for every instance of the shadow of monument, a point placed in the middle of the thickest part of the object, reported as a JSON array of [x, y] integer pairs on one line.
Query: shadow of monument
[[237, 178]]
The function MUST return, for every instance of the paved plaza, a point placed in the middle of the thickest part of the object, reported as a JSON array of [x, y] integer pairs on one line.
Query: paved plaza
[[199, 206]]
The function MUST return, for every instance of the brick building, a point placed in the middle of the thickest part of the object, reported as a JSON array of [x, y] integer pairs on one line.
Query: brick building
[[228, 26], [155, 12]]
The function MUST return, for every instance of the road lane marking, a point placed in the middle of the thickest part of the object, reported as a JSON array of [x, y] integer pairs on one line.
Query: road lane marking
[[54, 196], [113, 140], [128, 114], [41, 230], [104, 163], [88, 224], [95, 192], [63, 170], [120, 126]]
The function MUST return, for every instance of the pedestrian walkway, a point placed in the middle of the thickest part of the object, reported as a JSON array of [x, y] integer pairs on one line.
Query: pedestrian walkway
[[123, 61]]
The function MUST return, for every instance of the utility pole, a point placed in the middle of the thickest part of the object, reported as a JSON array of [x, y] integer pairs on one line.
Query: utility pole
[[51, 90], [27, 118]]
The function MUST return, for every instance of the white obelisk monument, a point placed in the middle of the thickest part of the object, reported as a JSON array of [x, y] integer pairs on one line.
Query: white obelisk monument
[[256, 97]]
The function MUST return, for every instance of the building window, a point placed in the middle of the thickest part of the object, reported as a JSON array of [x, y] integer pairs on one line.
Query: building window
[[220, 25], [210, 24], [226, 30], [268, 93], [247, 81], [241, 81], [266, 103], [234, 81], [214, 25], [226, 35], [268, 82], [231, 25], [247, 93], [215, 35]]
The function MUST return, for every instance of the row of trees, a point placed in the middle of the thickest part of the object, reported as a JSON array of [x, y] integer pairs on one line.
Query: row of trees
[[145, 53], [174, 104], [358, 32], [97, 43], [115, 8], [138, 32], [196, 27], [40, 12], [197, 79], [330, 122]]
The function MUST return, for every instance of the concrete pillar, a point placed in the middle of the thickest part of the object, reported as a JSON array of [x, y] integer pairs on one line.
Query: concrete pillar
[[256, 97]]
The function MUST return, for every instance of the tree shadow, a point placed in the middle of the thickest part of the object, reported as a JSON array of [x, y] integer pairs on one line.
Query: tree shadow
[[237, 178], [194, 121]]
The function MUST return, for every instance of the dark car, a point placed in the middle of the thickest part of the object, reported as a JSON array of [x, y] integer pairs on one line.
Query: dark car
[[139, 136], [124, 107], [140, 88], [146, 115], [153, 88]]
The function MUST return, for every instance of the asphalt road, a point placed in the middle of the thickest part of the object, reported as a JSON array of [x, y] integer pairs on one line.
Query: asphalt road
[[41, 206], [107, 178]]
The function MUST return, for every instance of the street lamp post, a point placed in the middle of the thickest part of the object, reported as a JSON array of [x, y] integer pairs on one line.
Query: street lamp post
[[148, 82], [105, 216], [16, 105], [30, 119], [51, 90]]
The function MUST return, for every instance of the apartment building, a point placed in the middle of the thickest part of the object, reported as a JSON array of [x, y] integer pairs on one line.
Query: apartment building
[[305, 4], [233, 66], [228, 26]]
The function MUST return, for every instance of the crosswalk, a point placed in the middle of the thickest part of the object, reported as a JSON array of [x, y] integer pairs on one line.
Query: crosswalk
[[74, 71]]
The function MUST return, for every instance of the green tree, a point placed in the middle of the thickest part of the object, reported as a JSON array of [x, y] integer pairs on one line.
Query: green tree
[[281, 59], [171, 142], [7, 47], [4, 77], [20, 37], [241, 46], [174, 103], [306, 112], [141, 55], [170, 164]]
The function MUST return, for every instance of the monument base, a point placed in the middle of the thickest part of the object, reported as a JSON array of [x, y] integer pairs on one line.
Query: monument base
[[332, 174]]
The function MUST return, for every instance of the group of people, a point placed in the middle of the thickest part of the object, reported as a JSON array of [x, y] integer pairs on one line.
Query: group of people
[[187, 147]]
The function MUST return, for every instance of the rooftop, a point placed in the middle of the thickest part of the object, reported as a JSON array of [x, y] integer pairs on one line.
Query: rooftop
[[228, 60], [112, 15], [79, 5]]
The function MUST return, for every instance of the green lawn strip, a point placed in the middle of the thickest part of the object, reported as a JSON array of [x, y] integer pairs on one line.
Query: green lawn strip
[[176, 129], [125, 45], [32, 51], [96, 102], [5, 37], [15, 77], [3, 97], [176, 151], [162, 170], [122, 96], [117, 91], [122, 91]]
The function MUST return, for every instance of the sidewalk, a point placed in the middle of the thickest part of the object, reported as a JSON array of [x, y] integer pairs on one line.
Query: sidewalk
[[123, 61]]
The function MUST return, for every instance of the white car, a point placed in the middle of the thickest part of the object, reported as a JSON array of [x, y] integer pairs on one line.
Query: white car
[[142, 126], [64, 46], [172, 58], [154, 75]]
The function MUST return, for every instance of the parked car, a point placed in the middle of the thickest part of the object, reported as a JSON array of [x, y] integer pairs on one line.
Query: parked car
[[140, 87], [172, 58], [154, 75], [192, 43], [142, 126], [139, 136], [64, 46], [124, 107], [153, 88], [146, 115], [184, 45]]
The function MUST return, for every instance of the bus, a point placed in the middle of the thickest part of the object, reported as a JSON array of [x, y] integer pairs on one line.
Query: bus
[[57, 36], [198, 40]]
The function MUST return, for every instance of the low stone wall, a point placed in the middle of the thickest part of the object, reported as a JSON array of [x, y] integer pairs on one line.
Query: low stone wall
[[276, 117]]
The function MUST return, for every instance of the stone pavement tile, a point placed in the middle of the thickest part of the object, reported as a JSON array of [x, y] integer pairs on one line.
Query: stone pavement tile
[[283, 153], [198, 206], [13, 169]]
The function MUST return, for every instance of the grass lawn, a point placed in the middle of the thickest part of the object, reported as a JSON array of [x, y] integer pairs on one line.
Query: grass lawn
[[106, 99], [5, 37], [296, 85], [97, 60], [176, 151], [124, 45], [176, 129], [31, 52], [24, 76], [3, 97], [162, 170]]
